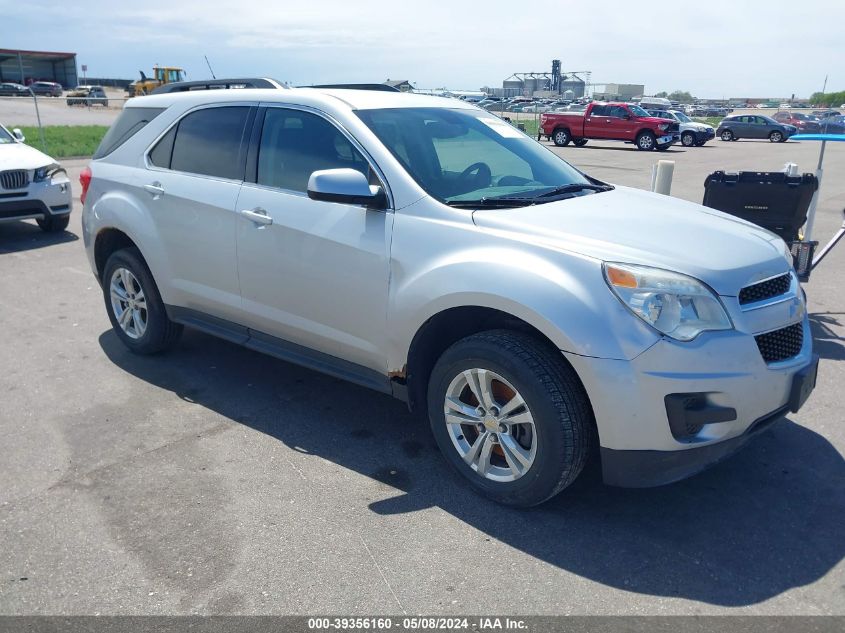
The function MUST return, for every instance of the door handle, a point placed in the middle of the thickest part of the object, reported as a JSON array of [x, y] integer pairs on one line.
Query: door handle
[[257, 215], [155, 189]]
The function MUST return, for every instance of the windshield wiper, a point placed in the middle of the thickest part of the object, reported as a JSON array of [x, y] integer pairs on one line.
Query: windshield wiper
[[494, 203], [506, 202], [573, 187]]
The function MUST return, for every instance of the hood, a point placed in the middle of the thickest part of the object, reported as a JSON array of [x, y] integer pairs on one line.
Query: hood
[[20, 156], [639, 227]]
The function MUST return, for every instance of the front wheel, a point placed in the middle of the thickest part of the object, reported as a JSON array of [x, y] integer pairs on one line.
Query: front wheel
[[134, 304], [510, 416], [561, 137], [776, 137], [727, 135], [53, 223], [646, 141], [687, 139]]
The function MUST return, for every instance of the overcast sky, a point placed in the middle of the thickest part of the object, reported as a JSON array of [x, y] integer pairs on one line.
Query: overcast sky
[[712, 49]]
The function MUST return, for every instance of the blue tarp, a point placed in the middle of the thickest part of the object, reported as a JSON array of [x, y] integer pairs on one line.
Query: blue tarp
[[817, 137]]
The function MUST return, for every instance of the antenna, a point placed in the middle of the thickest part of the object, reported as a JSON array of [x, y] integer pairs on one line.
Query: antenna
[[209, 67]]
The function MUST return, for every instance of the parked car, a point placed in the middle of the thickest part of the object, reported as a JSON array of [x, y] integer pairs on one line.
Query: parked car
[[88, 96], [46, 88], [692, 132], [610, 121], [833, 125], [740, 126], [804, 122], [32, 185], [9, 89], [528, 309], [825, 114]]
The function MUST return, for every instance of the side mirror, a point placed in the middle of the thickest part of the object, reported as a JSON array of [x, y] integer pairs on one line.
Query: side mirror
[[346, 186], [627, 117], [19, 137]]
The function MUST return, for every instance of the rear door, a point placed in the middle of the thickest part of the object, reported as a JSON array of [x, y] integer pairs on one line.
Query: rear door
[[597, 123], [191, 187]]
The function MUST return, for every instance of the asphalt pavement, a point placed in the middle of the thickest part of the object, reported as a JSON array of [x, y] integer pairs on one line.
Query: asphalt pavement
[[213, 479]]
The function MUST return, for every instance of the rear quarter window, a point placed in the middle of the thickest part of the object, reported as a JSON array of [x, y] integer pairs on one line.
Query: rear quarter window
[[130, 121]]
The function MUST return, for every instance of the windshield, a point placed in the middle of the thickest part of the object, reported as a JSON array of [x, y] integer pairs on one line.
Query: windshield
[[5, 137], [468, 155], [638, 111], [683, 118]]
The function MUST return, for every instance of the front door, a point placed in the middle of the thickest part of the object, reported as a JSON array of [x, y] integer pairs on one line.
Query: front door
[[619, 124], [312, 273]]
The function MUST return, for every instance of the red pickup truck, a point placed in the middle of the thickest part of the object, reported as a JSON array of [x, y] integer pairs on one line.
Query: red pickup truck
[[609, 121]]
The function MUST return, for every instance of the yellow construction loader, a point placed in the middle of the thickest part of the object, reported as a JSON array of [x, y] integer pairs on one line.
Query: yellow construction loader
[[161, 75]]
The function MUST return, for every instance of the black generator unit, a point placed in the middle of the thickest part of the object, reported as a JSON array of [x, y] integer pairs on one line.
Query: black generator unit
[[770, 199]]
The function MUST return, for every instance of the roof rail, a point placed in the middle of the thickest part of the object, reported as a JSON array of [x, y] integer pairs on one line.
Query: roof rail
[[219, 84], [375, 87]]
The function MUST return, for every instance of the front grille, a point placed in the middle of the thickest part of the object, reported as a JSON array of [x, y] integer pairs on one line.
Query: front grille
[[14, 179], [765, 289], [781, 344]]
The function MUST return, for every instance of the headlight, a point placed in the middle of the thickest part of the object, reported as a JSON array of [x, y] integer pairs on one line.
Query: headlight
[[663, 126], [676, 305], [43, 173]]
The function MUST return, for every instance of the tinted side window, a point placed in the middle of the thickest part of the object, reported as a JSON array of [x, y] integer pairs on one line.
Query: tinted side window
[[209, 142], [617, 111], [161, 153], [127, 124], [295, 144], [599, 111]]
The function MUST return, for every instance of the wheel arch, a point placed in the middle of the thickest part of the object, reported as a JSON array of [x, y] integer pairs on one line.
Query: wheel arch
[[446, 328], [108, 241]]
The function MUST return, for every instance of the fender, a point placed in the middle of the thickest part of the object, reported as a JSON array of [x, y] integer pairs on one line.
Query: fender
[[559, 301]]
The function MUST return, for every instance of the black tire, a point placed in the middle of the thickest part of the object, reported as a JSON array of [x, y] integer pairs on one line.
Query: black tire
[[700, 144], [646, 141], [776, 137], [727, 135], [561, 137], [688, 139], [562, 415], [579, 142], [54, 223], [161, 333]]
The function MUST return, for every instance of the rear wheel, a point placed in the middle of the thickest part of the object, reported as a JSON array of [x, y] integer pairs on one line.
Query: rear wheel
[[561, 137], [688, 139], [646, 141], [776, 137], [579, 142], [54, 223], [727, 135], [510, 416], [134, 304]]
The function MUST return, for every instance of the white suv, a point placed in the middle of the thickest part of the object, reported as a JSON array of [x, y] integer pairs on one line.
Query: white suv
[[32, 185], [426, 248]]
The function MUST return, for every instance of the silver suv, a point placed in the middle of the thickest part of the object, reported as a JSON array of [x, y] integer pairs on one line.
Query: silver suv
[[425, 248]]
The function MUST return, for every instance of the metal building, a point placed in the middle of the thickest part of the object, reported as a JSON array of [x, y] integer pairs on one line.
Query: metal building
[[24, 67]]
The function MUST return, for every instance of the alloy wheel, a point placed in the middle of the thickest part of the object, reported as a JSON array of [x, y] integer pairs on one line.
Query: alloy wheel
[[128, 303], [490, 425]]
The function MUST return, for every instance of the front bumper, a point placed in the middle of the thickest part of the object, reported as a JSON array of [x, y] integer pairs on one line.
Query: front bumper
[[702, 136], [39, 200], [668, 139], [640, 445]]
